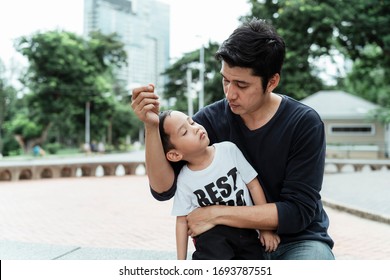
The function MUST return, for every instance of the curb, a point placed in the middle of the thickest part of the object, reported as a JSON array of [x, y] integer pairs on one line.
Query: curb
[[357, 212]]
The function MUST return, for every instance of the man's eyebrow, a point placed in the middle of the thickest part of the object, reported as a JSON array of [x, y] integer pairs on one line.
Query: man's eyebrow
[[223, 76], [235, 81]]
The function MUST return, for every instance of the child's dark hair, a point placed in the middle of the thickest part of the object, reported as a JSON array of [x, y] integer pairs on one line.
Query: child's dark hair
[[165, 139]]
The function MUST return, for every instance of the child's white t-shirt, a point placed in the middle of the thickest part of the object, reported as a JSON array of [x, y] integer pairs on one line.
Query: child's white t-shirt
[[222, 182]]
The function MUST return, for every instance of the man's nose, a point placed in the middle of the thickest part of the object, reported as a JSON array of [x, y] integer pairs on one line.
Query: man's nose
[[230, 92]]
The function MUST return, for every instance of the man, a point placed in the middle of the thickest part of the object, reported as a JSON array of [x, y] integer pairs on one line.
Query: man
[[283, 139]]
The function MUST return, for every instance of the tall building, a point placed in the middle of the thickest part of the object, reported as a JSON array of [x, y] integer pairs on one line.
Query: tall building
[[143, 26]]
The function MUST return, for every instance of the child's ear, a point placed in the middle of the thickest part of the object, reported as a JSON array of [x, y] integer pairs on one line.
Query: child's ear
[[174, 155]]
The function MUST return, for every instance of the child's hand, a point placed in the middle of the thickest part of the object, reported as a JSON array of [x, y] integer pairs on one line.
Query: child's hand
[[269, 240]]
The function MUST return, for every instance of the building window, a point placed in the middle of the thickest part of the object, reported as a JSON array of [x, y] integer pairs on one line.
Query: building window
[[352, 129]]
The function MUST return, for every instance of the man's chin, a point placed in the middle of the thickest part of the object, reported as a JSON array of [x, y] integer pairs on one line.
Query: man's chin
[[235, 109]]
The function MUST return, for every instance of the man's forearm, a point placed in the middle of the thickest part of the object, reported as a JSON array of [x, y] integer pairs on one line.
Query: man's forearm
[[263, 217], [159, 171]]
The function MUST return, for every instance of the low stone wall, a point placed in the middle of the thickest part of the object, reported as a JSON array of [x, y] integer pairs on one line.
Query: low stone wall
[[87, 169], [58, 170], [357, 164]]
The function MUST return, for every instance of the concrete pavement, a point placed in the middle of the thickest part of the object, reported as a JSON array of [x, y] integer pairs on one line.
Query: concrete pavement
[[115, 217]]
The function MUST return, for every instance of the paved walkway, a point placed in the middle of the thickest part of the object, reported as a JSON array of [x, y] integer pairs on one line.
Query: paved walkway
[[117, 218]]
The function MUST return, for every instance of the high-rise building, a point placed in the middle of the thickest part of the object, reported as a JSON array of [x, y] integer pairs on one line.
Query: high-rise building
[[143, 26]]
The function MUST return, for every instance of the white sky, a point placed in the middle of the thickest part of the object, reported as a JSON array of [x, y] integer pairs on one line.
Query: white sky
[[210, 19]]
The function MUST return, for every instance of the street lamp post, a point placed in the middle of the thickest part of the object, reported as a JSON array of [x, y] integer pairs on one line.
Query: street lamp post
[[156, 59], [201, 77], [189, 93], [87, 122]]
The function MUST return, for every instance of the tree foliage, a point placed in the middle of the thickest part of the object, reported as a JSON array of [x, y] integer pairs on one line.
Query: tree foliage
[[363, 31], [65, 72]]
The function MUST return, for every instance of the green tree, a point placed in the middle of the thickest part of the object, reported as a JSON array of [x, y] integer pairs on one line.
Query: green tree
[[65, 72], [362, 24], [367, 77], [363, 32]]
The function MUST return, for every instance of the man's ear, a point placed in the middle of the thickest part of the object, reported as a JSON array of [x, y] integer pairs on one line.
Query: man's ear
[[174, 155], [273, 82]]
